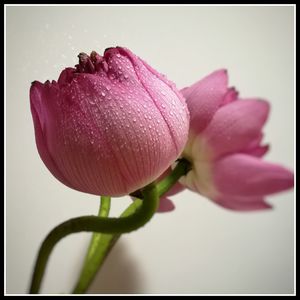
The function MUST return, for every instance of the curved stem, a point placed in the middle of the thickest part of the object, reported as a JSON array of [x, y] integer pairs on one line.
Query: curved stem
[[107, 241], [94, 253], [96, 224], [182, 168], [105, 244]]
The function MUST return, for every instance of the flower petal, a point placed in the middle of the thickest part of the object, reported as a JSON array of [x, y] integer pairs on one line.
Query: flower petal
[[240, 203], [204, 97], [245, 175], [66, 76], [235, 125], [165, 97], [36, 92], [165, 205], [230, 96], [258, 151]]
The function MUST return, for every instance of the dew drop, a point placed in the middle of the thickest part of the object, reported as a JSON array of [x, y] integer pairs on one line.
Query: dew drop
[[118, 55], [163, 106], [134, 120], [108, 87]]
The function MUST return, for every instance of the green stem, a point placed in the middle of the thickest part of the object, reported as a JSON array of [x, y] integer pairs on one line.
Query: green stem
[[106, 242], [182, 168], [94, 253], [103, 212], [95, 224]]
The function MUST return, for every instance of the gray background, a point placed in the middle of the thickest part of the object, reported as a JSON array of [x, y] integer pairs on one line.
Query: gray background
[[200, 247]]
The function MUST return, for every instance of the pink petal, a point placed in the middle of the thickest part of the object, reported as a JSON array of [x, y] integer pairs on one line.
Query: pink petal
[[258, 151], [66, 76], [235, 125], [165, 205], [255, 149], [240, 203], [245, 175], [166, 99], [204, 97], [230, 96], [36, 91]]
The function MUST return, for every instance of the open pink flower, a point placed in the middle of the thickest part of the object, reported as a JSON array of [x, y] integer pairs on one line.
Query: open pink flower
[[224, 146], [109, 126]]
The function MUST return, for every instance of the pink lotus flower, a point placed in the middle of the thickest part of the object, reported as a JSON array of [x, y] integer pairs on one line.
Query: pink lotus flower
[[224, 146], [110, 126]]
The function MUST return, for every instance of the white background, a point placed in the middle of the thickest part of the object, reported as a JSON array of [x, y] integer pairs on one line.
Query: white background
[[200, 247]]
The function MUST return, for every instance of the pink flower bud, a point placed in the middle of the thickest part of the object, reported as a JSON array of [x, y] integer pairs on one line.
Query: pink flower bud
[[110, 126]]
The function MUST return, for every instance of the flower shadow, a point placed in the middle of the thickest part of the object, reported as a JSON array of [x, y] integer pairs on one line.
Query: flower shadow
[[120, 274]]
